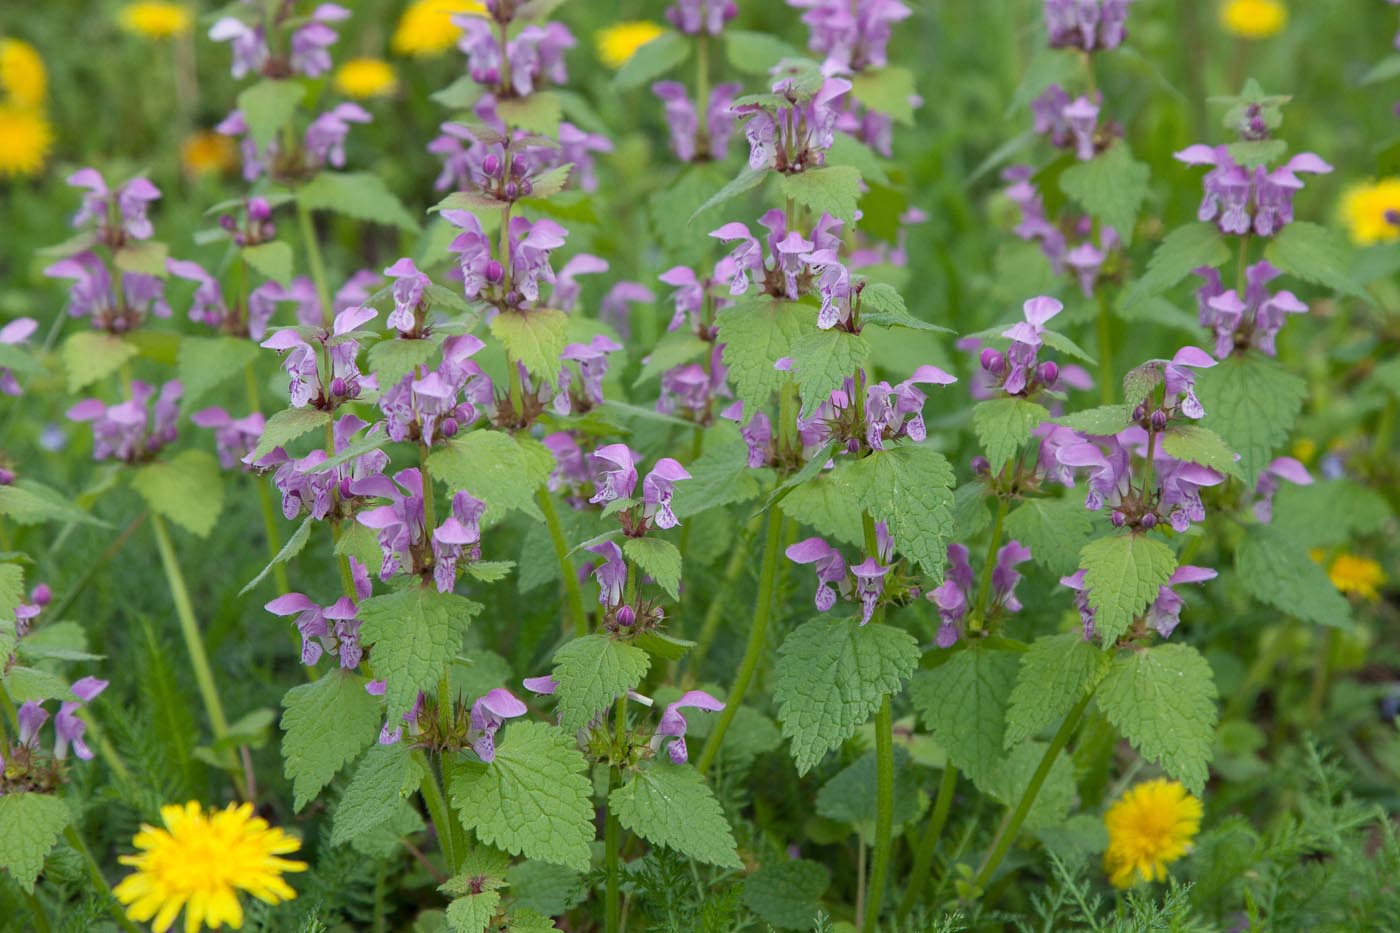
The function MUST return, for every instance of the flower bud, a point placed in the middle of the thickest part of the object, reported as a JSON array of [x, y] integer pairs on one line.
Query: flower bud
[[1119, 519], [344, 487], [1148, 521], [338, 386], [512, 190], [495, 272], [1140, 412], [526, 187], [258, 209], [993, 361], [41, 594], [1048, 372], [6, 476], [490, 165], [267, 230], [981, 465], [227, 222], [627, 616], [1159, 420], [448, 427]]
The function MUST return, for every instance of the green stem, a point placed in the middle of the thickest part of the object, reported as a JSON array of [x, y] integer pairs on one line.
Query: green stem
[[923, 857], [36, 909], [1322, 671], [1006, 833], [573, 594], [99, 883], [758, 636], [448, 831], [884, 815], [313, 259], [611, 833], [269, 511], [979, 610], [1107, 388]]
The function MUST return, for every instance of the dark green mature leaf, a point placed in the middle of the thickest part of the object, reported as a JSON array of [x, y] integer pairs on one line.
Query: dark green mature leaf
[[1251, 401], [1184, 249], [720, 476], [533, 800], [1276, 570], [30, 824], [1314, 254], [1163, 700], [326, 724], [535, 338], [205, 362], [832, 674], [850, 796], [833, 190], [787, 892], [1325, 514], [963, 701], [652, 60], [384, 777], [1004, 425], [188, 489], [1011, 778], [824, 359], [672, 806], [824, 503], [1123, 574], [1054, 529], [1110, 187], [910, 489], [1055, 674], [414, 633], [360, 195], [756, 334], [592, 672], [267, 106]]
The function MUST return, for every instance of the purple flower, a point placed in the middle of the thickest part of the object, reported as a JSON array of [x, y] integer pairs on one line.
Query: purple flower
[[13, 334], [134, 430], [400, 523], [694, 17], [615, 310], [249, 44], [530, 246], [325, 136], [673, 724], [1165, 612], [306, 385], [409, 284], [1110, 479], [830, 567], [1255, 320], [953, 596], [488, 714], [570, 467], [611, 573], [1086, 24], [658, 489], [870, 583], [757, 434], [235, 438], [1026, 342], [680, 117], [68, 728], [1004, 574], [1282, 468], [92, 295], [1231, 190], [851, 35], [119, 214], [1034, 225], [311, 41], [616, 473], [566, 287], [794, 136], [576, 147], [592, 361], [1075, 581], [896, 411], [1181, 485], [459, 535]]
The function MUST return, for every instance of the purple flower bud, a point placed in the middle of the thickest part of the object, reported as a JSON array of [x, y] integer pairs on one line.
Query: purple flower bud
[[491, 165], [1048, 372], [626, 616], [1148, 521], [1119, 519], [1140, 412], [41, 594], [267, 230], [338, 386], [993, 361], [6, 476], [1159, 420], [981, 465], [494, 272], [448, 427], [526, 187], [512, 190], [258, 209], [345, 487], [227, 222]]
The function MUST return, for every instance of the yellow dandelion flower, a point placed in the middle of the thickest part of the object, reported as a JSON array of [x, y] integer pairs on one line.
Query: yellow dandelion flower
[[1357, 576], [23, 81], [200, 861], [365, 77], [1305, 449], [156, 19], [426, 27], [25, 140], [205, 152], [1253, 19], [1368, 209], [1151, 826], [618, 43]]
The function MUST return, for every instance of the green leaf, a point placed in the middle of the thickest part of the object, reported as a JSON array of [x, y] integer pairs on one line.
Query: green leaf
[[473, 913], [824, 503], [1057, 341], [538, 113], [1314, 254], [289, 550], [1195, 444], [1275, 569], [1123, 574], [1163, 701], [1008, 783], [746, 180], [476, 890], [652, 60], [288, 425], [1104, 420], [145, 258], [674, 349], [32, 683], [592, 672], [29, 502], [787, 893], [274, 260], [963, 701], [1251, 401], [394, 358], [1054, 530], [500, 470], [832, 674], [672, 806], [881, 303], [910, 489], [1322, 515], [30, 824], [719, 476], [11, 592], [1110, 187], [849, 797], [888, 90], [824, 359], [833, 190], [205, 362], [658, 558], [326, 725], [415, 633], [755, 53], [1184, 249], [535, 338], [267, 106], [1055, 674], [971, 513], [360, 195], [1004, 425], [756, 334], [90, 356], [385, 776], [187, 489], [533, 799]]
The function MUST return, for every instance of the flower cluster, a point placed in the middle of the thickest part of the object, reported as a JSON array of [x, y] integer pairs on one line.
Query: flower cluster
[[791, 129], [1163, 615], [404, 539], [956, 596], [26, 767], [864, 581], [135, 430], [332, 629], [694, 17], [1089, 25], [307, 52], [690, 141], [852, 36], [1017, 371], [1243, 200], [1253, 320]]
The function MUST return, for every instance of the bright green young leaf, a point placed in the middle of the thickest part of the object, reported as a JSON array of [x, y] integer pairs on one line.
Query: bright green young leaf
[[1195, 444], [289, 550], [395, 357], [188, 489], [146, 257], [414, 634], [963, 701], [824, 359], [267, 106], [787, 893], [1184, 249], [1123, 574], [1054, 530], [360, 195], [659, 559], [1252, 402], [1276, 570], [326, 724], [288, 425], [29, 502], [1106, 419], [90, 356], [889, 90], [273, 259], [652, 60], [1314, 254], [910, 489], [672, 806], [1004, 425], [833, 190], [592, 672], [500, 470], [534, 338], [757, 333], [1111, 187], [538, 113], [205, 362]]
